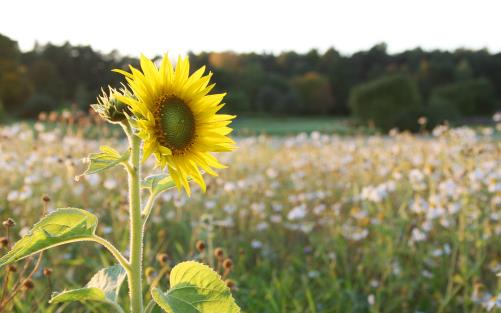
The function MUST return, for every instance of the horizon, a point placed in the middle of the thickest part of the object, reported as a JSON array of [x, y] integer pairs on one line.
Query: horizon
[[274, 53], [265, 28]]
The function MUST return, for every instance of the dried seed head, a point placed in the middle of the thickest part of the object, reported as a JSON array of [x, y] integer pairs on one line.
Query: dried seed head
[[162, 258], [12, 268], [28, 284], [200, 245], [228, 264], [9, 222], [47, 271], [4, 242], [45, 198], [230, 283], [219, 252]]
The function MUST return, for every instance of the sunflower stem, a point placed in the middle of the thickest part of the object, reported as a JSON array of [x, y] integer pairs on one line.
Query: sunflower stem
[[136, 227]]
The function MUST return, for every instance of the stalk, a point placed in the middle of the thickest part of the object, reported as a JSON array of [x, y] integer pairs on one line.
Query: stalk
[[136, 229]]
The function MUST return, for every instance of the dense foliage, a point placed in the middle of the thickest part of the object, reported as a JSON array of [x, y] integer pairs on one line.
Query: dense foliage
[[387, 101], [463, 82]]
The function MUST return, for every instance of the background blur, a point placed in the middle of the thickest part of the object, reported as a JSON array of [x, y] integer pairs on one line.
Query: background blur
[[324, 207], [382, 65]]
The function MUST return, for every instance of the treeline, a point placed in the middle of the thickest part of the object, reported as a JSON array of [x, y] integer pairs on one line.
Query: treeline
[[461, 83]]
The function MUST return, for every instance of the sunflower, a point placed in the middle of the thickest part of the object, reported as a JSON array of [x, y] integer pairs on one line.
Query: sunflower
[[178, 119]]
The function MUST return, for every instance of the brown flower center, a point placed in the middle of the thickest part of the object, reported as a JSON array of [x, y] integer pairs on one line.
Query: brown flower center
[[176, 124]]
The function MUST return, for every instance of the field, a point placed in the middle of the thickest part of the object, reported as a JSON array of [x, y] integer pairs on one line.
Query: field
[[313, 222], [283, 126]]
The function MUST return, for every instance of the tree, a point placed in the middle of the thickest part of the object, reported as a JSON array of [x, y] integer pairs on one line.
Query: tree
[[15, 87], [315, 93], [385, 101], [470, 97]]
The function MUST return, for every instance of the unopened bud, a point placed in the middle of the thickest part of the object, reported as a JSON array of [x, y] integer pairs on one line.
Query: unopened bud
[[46, 198], [230, 283], [110, 108]]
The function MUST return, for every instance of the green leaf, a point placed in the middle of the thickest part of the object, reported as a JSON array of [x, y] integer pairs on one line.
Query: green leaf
[[60, 227], [195, 288], [158, 183], [107, 158], [103, 287]]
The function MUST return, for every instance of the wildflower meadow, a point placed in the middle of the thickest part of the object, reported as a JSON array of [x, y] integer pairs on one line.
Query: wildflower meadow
[[250, 156], [303, 223]]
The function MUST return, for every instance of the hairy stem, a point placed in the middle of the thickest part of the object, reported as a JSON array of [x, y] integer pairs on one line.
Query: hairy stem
[[136, 227]]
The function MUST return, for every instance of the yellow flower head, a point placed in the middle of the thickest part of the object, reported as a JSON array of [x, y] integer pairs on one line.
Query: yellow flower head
[[177, 118]]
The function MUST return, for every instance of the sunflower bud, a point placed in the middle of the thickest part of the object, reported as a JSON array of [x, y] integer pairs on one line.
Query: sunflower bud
[[110, 108]]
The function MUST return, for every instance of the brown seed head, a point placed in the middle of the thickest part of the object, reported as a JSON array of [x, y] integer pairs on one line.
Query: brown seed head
[[12, 268], [9, 222], [47, 271], [46, 198], [230, 283], [4, 242], [200, 245], [219, 252], [28, 284], [228, 264], [162, 258]]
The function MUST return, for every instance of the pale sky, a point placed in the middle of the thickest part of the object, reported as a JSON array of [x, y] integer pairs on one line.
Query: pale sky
[[155, 27]]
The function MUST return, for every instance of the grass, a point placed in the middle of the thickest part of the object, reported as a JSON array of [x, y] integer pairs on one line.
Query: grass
[[283, 126], [315, 223]]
